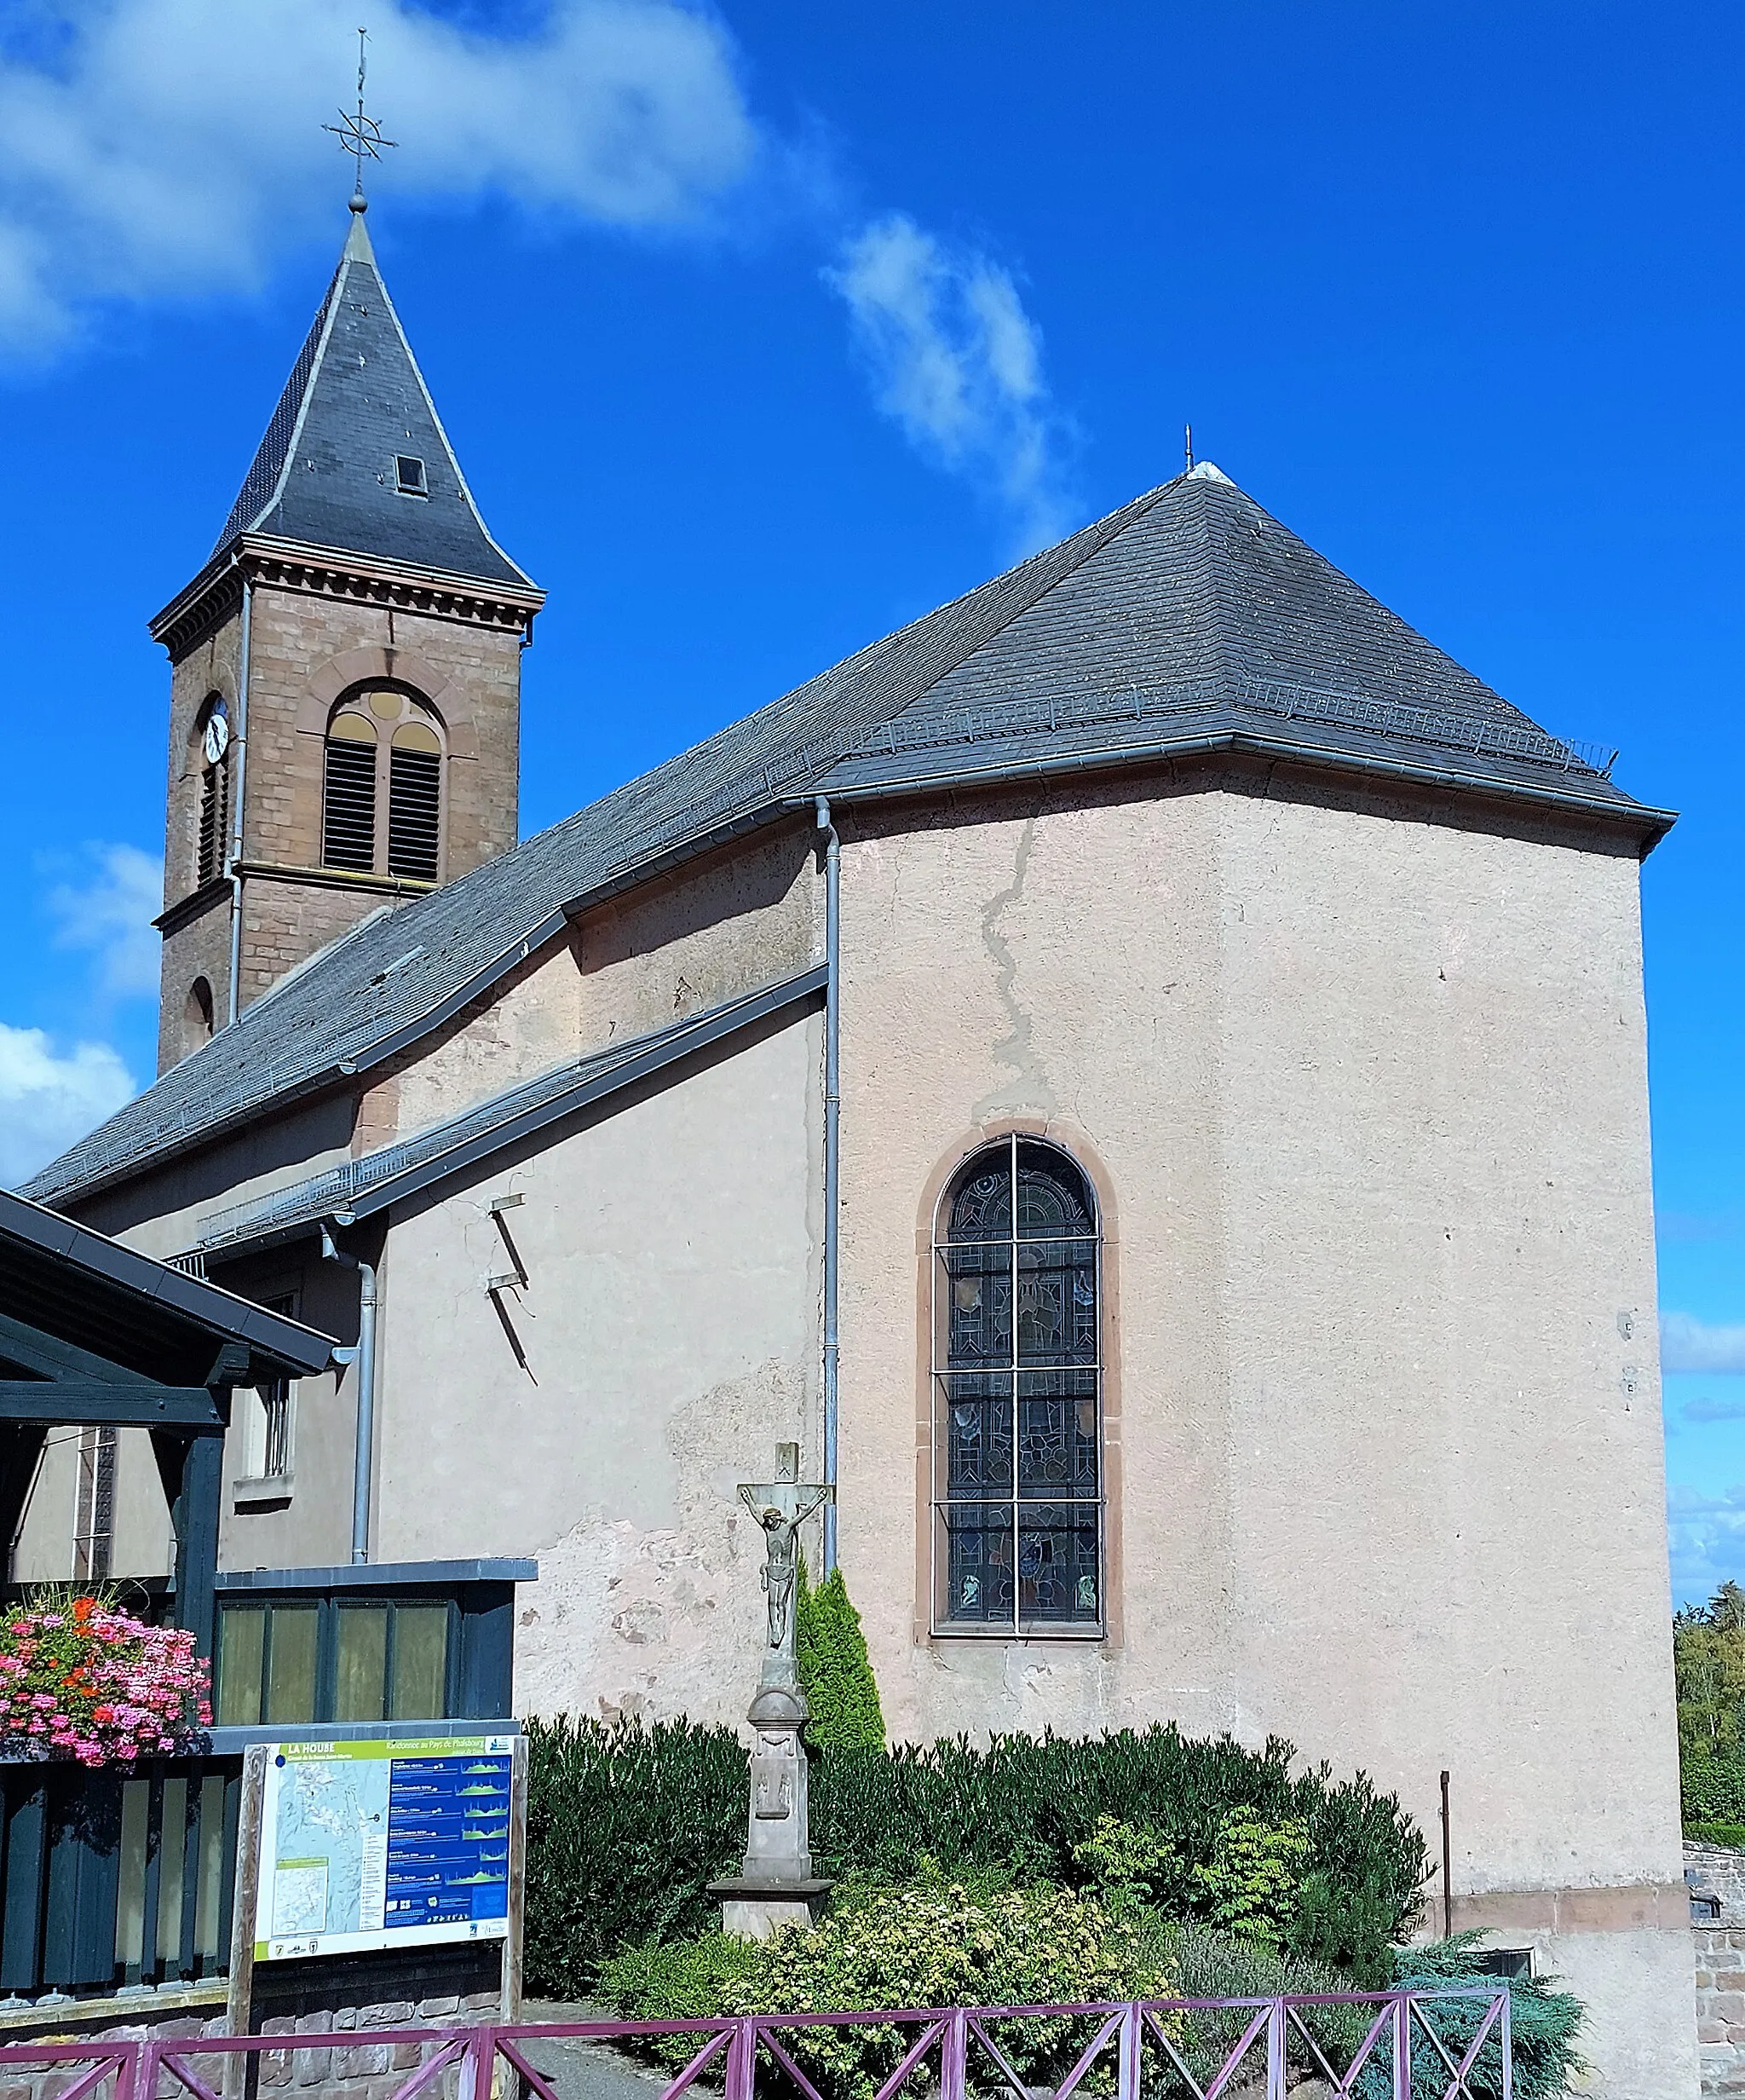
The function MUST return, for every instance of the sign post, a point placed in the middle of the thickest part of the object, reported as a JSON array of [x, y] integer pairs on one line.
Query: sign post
[[346, 1848]]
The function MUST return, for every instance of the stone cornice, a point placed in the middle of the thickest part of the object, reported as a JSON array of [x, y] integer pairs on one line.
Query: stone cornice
[[328, 572]]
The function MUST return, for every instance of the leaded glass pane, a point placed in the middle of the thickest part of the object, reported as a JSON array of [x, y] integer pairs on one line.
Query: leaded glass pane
[[978, 1285], [1058, 1570], [1057, 1294], [982, 1207], [979, 1562], [1054, 1199], [1058, 1441], [977, 1427]]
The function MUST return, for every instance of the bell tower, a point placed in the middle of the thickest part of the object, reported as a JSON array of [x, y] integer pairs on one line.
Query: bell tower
[[345, 675]]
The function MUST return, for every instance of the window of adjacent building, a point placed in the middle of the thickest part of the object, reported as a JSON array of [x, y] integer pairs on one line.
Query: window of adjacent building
[[333, 1659], [94, 1506], [409, 475], [1017, 1439], [212, 845], [268, 1422], [383, 803]]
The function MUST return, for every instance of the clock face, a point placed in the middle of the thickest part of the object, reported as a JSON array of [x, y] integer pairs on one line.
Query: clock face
[[217, 738]]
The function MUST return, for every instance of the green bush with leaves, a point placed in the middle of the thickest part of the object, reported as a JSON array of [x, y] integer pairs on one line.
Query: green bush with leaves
[[1731, 1835], [931, 1942], [628, 1825], [836, 1671], [1545, 2023]]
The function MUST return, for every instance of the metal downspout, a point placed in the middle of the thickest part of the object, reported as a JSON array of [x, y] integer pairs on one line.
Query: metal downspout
[[241, 743], [832, 1155], [364, 1455]]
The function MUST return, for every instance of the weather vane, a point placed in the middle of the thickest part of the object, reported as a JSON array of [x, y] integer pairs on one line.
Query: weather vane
[[358, 135]]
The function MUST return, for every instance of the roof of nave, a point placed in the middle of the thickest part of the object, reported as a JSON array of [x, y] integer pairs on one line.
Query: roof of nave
[[325, 474], [1189, 619]]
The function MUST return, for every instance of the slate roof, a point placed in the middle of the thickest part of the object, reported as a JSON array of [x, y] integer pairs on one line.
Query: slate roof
[[325, 474], [357, 1188], [1189, 620]]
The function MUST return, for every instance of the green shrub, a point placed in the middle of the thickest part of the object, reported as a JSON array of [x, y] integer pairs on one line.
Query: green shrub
[[1717, 1833], [676, 1980], [627, 1827], [1713, 1786], [836, 1672], [1544, 2022], [1029, 1803], [938, 1942]]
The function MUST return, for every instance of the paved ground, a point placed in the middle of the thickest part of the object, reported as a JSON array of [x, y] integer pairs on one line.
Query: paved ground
[[585, 2070]]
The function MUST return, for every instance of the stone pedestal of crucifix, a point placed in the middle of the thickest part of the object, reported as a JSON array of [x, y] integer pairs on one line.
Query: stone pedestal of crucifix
[[776, 1885]]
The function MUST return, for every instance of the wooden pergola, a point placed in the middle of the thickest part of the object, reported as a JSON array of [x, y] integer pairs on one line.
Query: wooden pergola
[[91, 1332]]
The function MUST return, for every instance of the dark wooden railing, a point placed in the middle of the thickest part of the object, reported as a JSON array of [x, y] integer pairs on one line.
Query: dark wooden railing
[[116, 1877]]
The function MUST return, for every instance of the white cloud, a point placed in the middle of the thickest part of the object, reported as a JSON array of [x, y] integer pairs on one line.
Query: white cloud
[[1688, 1344], [48, 1100], [957, 362], [163, 147], [111, 917]]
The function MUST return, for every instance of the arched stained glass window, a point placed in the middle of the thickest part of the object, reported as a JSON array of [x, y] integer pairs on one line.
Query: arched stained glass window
[[1018, 1443]]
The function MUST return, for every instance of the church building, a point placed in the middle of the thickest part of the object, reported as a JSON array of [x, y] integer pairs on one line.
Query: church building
[[1140, 1073]]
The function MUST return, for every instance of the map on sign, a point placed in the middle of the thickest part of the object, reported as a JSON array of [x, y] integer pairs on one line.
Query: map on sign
[[379, 1845]]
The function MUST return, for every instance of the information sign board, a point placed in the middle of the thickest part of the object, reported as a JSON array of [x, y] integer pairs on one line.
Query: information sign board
[[379, 1845]]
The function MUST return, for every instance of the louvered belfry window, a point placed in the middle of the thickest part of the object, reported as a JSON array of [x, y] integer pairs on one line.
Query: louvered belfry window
[[348, 794], [1018, 1443], [414, 802], [215, 819], [382, 812]]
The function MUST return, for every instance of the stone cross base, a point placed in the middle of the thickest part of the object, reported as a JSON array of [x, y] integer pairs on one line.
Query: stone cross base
[[758, 1910]]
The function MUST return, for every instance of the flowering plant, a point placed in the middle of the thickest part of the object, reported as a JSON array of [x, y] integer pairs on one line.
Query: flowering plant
[[80, 1679]]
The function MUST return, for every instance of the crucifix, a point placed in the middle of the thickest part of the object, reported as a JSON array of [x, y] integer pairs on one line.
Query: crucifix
[[776, 1885], [780, 1506]]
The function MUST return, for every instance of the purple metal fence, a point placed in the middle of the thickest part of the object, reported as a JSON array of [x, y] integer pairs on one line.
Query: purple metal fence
[[1399, 2049]]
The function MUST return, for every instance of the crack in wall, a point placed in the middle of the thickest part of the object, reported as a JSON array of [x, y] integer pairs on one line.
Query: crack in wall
[[1030, 1086]]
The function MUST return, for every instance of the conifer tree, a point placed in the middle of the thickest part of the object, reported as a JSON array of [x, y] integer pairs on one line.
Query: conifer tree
[[836, 1672]]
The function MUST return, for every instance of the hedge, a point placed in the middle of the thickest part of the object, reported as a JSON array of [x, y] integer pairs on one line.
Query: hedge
[[1713, 1788], [627, 1825]]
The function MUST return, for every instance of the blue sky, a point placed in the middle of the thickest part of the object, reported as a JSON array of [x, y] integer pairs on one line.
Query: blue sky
[[761, 330]]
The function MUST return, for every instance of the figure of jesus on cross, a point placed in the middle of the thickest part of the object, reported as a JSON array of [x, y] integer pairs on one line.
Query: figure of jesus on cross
[[780, 1506]]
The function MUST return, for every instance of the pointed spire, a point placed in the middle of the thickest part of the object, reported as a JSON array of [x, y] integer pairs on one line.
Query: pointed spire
[[355, 457]]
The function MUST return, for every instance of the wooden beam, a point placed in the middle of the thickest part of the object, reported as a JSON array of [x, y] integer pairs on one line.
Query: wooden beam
[[20, 1447], [21, 1343], [56, 1400], [192, 1468]]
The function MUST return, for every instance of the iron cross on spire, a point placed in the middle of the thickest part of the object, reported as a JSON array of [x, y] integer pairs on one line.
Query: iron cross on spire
[[358, 135]]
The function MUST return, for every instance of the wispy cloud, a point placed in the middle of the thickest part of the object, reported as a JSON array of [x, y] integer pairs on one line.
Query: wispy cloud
[[156, 147], [1690, 1344], [1712, 1410], [48, 1098], [110, 916], [957, 362]]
